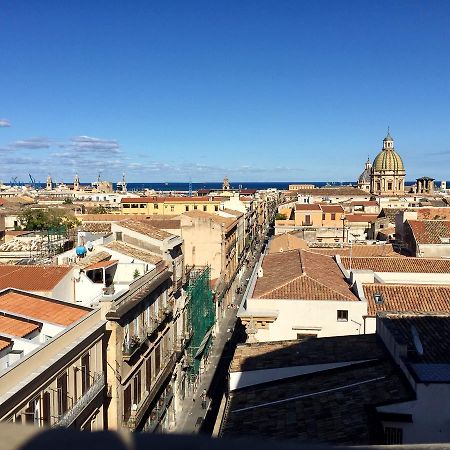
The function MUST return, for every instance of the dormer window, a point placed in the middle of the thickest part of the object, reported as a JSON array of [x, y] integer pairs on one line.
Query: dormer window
[[378, 298]]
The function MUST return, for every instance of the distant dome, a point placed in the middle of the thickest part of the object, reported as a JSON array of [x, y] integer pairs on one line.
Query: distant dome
[[388, 160], [364, 178]]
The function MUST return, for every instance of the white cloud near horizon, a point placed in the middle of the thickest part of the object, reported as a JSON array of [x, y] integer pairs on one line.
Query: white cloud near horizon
[[5, 123]]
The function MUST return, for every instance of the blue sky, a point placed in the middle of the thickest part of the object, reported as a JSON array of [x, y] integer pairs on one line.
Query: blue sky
[[255, 90]]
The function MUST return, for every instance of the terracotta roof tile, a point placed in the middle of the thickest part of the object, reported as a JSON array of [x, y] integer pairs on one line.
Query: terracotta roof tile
[[41, 308], [285, 242], [16, 326], [134, 252], [302, 275], [361, 217], [359, 250], [5, 343], [32, 278], [430, 231], [433, 213], [328, 208], [402, 297], [307, 207], [401, 265], [93, 258], [145, 228], [102, 264], [433, 331]]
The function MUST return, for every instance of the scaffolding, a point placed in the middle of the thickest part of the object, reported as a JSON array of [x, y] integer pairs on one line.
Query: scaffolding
[[201, 318]]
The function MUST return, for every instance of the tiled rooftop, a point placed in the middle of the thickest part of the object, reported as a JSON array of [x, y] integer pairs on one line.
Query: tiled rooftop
[[93, 258], [363, 218], [145, 228], [270, 355], [332, 208], [285, 242], [32, 278], [359, 250], [307, 207], [433, 331], [403, 297], [41, 308], [134, 252], [16, 326], [301, 275], [401, 265], [102, 264], [5, 343], [430, 231], [334, 192], [433, 213], [334, 406]]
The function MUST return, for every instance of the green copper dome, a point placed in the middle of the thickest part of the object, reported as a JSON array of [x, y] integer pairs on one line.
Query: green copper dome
[[388, 160]]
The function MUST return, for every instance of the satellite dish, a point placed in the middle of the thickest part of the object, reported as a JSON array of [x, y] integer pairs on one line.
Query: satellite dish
[[89, 245], [416, 340]]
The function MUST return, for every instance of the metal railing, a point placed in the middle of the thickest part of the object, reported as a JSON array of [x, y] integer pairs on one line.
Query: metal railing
[[97, 385]]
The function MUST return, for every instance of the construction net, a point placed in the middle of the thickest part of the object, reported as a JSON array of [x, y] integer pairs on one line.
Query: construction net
[[201, 317]]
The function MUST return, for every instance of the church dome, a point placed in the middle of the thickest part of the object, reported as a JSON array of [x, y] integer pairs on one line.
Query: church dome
[[388, 160], [364, 178]]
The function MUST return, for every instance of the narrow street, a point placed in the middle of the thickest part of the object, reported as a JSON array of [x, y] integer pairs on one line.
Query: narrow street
[[195, 419]]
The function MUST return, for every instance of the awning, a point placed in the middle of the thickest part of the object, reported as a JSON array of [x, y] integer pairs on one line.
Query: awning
[[202, 345]]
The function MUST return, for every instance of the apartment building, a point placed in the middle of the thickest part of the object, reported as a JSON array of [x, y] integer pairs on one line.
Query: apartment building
[[169, 205], [52, 362]]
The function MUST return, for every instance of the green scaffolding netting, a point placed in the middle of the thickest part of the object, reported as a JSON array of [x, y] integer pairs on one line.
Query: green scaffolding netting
[[201, 316]]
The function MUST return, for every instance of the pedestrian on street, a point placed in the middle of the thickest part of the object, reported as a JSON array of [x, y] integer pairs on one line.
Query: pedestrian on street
[[203, 397]]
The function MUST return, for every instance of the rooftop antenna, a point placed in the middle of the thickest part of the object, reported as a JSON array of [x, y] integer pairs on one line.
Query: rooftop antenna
[[190, 187], [416, 339]]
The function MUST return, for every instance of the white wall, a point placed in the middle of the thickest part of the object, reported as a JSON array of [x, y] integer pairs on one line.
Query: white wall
[[430, 414], [309, 317]]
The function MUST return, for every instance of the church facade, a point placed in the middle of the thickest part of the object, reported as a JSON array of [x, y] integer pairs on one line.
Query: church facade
[[386, 176]]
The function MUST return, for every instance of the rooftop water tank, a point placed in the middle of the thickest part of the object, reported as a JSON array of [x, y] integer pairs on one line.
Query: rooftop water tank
[[81, 251]]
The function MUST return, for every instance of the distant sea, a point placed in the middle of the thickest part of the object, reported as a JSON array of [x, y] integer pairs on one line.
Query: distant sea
[[177, 187]]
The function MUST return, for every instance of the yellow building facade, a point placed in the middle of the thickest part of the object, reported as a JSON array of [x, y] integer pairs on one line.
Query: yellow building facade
[[168, 205]]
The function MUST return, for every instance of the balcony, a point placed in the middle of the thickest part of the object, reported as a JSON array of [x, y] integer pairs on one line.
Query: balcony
[[158, 413], [129, 348], [307, 223], [132, 422], [98, 383]]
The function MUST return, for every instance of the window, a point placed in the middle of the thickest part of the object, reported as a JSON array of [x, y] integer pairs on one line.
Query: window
[[342, 315], [305, 336], [204, 207], [378, 298], [155, 205], [127, 403], [216, 208], [393, 435], [142, 205], [137, 388], [148, 374], [126, 205], [389, 186], [46, 408], [195, 207], [172, 208], [157, 360], [118, 236], [85, 375], [323, 216], [186, 208], [61, 384], [333, 216], [134, 205]]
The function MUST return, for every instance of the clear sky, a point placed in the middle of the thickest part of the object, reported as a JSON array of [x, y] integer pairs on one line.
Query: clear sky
[[255, 90]]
